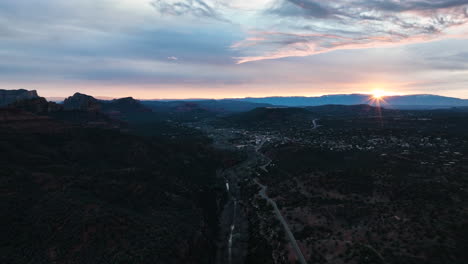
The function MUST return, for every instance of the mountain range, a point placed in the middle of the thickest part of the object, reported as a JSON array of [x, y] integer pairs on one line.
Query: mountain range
[[423, 101], [417, 101], [82, 102]]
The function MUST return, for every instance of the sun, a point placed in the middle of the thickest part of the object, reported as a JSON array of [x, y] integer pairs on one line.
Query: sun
[[378, 94], [377, 97]]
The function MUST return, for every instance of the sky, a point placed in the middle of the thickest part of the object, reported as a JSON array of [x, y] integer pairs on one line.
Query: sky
[[155, 49]]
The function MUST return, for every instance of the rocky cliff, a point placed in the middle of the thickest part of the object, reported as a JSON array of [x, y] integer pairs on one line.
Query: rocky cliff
[[37, 105], [82, 102], [124, 105], [10, 96]]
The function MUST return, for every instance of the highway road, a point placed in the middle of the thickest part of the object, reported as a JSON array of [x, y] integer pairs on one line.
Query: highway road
[[233, 220], [291, 238], [264, 195], [314, 122]]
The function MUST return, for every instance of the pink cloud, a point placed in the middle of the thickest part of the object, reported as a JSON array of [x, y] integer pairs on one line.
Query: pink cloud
[[351, 25]]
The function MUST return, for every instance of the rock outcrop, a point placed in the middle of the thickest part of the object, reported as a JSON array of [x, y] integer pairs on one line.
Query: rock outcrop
[[10, 96], [82, 102], [124, 105], [37, 105]]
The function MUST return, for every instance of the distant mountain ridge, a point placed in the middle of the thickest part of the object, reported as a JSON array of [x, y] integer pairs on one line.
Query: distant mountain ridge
[[82, 102], [410, 102], [398, 101]]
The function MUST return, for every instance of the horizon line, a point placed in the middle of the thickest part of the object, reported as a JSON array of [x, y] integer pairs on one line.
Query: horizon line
[[58, 98]]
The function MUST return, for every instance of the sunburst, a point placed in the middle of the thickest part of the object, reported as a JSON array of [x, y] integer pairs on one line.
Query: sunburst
[[377, 97], [378, 94]]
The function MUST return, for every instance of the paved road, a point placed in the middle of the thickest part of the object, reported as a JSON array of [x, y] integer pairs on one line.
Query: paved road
[[280, 217], [233, 228], [314, 122], [231, 187]]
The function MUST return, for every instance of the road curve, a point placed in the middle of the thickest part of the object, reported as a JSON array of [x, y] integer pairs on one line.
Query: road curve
[[278, 214], [314, 122], [280, 217], [231, 234]]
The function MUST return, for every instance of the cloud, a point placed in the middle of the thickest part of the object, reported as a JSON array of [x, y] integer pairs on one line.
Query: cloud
[[339, 7], [411, 5], [301, 8], [295, 28], [132, 43], [82, 40], [309, 27], [196, 8]]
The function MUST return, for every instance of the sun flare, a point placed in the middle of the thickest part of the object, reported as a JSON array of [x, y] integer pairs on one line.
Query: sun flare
[[378, 94]]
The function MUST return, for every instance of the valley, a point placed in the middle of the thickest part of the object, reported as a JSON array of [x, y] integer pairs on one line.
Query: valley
[[233, 132], [120, 181]]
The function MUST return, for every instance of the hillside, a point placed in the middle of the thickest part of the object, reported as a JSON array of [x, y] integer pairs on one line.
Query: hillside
[[72, 194], [271, 117], [350, 110], [215, 106]]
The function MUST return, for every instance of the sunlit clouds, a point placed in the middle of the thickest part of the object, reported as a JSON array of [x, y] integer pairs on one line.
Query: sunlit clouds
[[312, 27]]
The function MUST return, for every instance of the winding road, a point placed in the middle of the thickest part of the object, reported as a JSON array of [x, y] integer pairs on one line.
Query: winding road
[[314, 122], [233, 248], [233, 228], [263, 194]]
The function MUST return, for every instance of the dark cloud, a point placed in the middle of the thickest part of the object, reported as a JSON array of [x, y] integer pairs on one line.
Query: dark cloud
[[301, 8], [411, 5], [196, 8], [334, 8], [375, 10]]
